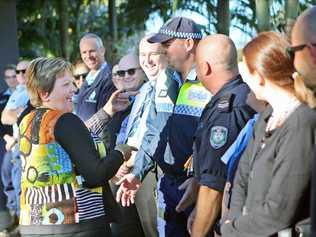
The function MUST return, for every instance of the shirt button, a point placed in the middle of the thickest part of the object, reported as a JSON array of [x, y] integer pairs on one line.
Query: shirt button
[[251, 174]]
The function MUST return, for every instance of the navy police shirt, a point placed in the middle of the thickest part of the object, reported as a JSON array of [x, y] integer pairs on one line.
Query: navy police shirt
[[221, 121]]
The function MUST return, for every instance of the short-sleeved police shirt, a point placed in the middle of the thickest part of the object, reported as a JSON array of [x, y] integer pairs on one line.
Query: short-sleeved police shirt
[[221, 121]]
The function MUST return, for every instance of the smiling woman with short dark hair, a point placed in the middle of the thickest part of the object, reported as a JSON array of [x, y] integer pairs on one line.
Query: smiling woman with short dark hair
[[64, 188]]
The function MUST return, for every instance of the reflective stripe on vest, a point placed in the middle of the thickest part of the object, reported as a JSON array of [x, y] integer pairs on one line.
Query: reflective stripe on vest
[[192, 99]]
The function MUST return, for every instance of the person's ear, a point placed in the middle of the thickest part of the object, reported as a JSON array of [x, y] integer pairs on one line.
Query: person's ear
[[189, 44], [103, 51], [44, 96], [206, 68]]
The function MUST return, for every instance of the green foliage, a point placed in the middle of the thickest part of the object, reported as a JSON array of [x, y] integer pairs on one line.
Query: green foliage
[[40, 21]]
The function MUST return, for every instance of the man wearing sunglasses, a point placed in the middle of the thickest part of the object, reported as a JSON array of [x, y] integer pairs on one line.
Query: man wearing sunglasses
[[172, 121], [130, 72], [304, 54], [304, 45], [152, 60], [98, 86], [80, 73], [113, 131]]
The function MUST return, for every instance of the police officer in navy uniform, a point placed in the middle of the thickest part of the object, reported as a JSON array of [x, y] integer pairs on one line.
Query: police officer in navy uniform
[[179, 100], [221, 121]]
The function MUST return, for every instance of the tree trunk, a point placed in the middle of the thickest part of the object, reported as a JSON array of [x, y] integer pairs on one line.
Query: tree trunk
[[63, 28], [291, 13], [112, 40], [263, 15], [223, 17], [113, 19], [174, 6], [9, 51]]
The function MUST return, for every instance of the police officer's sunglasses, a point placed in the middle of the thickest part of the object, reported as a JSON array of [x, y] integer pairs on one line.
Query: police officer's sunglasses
[[291, 50], [131, 72], [83, 75]]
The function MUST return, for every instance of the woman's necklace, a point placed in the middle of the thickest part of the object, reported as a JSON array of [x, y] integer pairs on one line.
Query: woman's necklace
[[279, 116]]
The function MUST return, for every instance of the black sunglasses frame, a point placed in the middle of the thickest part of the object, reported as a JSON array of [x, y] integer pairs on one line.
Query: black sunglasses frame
[[292, 49], [18, 71], [130, 72], [83, 75]]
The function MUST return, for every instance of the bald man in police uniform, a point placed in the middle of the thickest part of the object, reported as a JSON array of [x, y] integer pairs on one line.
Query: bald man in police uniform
[[221, 121]]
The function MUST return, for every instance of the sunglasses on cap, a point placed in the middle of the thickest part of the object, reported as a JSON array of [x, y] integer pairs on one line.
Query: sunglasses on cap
[[130, 72], [291, 50], [17, 71], [83, 75]]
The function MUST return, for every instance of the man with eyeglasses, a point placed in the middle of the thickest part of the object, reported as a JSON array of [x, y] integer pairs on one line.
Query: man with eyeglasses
[[172, 121], [80, 73], [10, 80], [98, 86], [304, 44], [303, 50], [112, 130]]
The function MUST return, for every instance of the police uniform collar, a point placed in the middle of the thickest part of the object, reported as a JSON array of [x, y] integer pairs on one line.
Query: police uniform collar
[[190, 77], [224, 98], [228, 86]]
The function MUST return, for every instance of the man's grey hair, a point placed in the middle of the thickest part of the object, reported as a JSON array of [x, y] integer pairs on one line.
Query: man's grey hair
[[93, 36]]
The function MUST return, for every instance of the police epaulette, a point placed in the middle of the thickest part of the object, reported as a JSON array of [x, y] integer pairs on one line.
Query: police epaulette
[[224, 103]]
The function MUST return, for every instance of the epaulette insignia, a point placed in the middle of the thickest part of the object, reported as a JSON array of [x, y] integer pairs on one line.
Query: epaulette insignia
[[224, 103]]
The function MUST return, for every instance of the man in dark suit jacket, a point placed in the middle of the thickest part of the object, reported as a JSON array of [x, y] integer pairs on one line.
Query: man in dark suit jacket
[[98, 87]]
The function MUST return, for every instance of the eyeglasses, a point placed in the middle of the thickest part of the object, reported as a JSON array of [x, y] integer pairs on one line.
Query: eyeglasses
[[9, 77], [83, 75], [291, 50], [130, 72], [17, 71]]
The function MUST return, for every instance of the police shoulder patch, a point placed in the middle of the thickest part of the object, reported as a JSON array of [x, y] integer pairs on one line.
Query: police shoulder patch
[[218, 136]]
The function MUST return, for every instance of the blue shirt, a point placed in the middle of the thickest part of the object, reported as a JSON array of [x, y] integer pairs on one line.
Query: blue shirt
[[136, 126], [19, 98], [174, 113], [234, 152]]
